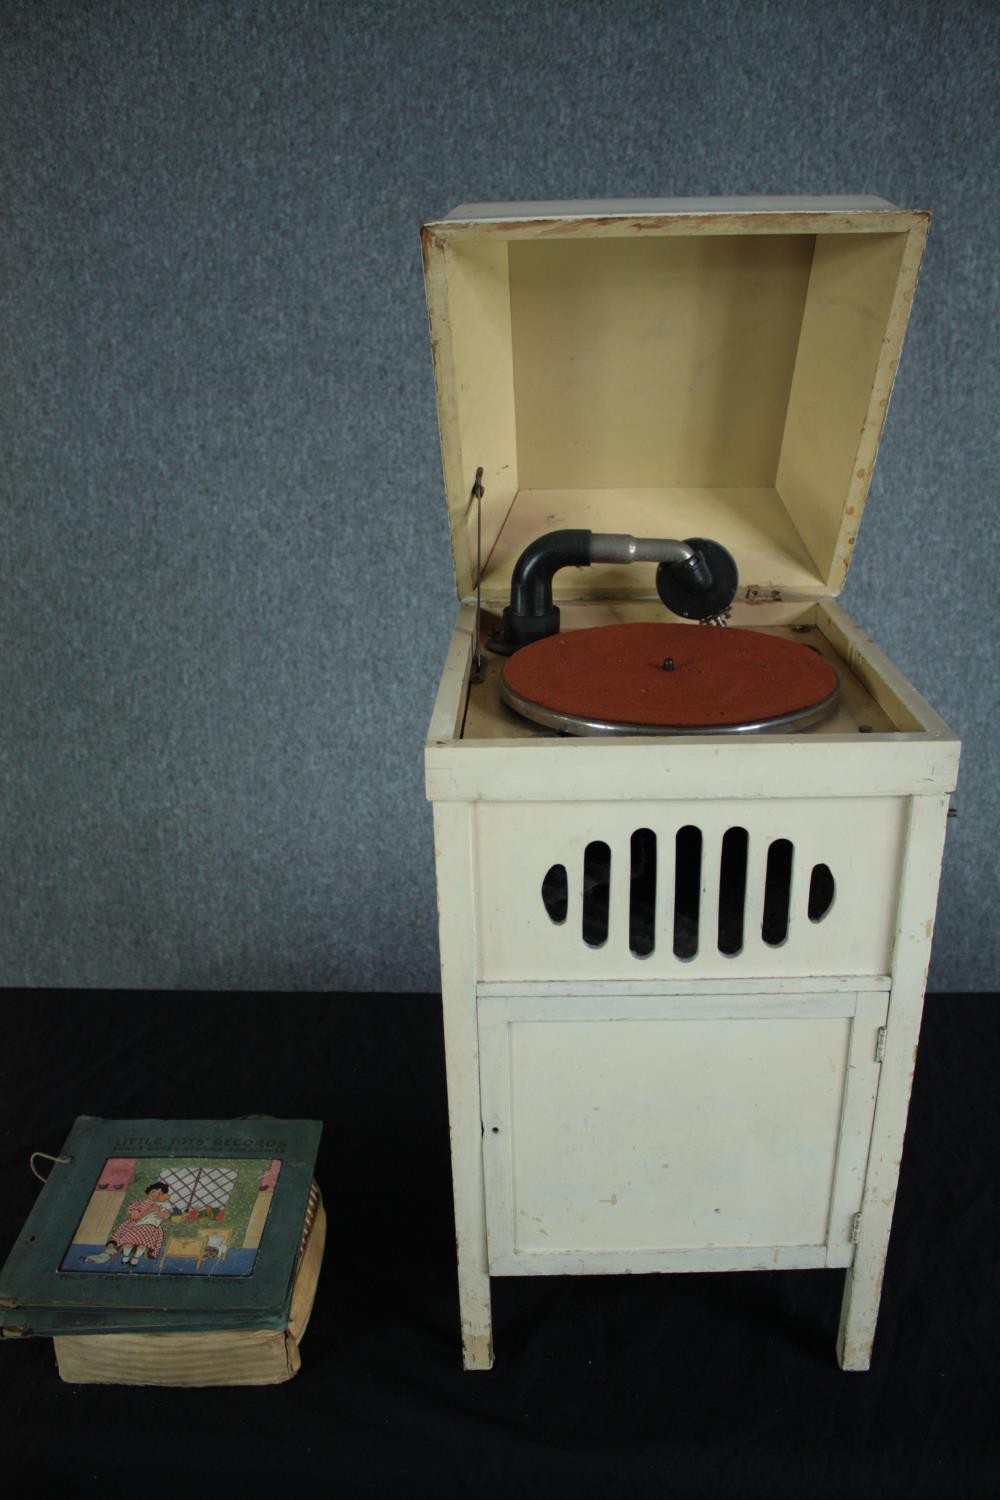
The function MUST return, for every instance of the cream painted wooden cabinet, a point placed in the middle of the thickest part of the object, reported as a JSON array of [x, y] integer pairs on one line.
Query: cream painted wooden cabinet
[[683, 976]]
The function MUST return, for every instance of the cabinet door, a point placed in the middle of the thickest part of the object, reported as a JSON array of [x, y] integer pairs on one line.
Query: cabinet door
[[696, 1131]]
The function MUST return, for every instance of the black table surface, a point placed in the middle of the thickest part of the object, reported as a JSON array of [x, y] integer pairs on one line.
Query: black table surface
[[693, 1385]]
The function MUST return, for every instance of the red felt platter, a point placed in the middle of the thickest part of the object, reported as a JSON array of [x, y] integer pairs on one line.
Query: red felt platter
[[612, 680]]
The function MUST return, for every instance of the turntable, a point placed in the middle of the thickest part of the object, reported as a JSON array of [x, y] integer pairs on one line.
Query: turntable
[[688, 817]]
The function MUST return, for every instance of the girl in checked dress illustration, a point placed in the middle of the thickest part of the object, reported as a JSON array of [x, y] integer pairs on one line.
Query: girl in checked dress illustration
[[140, 1232]]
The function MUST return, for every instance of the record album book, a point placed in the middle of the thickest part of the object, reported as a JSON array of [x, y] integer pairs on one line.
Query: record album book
[[172, 1252]]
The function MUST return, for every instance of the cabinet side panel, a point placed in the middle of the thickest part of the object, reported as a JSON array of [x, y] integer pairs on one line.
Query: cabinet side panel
[[814, 893]]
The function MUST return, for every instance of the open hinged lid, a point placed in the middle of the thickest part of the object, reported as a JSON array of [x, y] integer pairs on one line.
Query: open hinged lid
[[672, 368]]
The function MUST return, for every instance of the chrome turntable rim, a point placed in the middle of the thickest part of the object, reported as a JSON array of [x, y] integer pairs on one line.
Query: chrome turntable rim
[[565, 723]]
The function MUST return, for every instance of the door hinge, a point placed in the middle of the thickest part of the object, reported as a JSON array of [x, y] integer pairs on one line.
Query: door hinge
[[880, 1045], [855, 1229]]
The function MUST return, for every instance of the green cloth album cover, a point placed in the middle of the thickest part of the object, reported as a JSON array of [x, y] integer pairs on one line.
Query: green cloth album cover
[[163, 1226]]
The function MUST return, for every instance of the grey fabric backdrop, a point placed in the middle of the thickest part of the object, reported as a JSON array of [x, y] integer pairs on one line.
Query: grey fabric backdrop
[[226, 585]]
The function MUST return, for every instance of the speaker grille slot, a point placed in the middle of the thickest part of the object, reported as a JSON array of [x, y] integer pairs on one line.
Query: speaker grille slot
[[642, 893], [687, 890], [596, 893], [555, 893], [732, 889], [822, 889], [777, 892]]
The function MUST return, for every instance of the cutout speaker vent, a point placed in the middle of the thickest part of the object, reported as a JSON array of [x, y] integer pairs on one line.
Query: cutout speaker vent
[[555, 893], [822, 889], [596, 893], [687, 890], [732, 889], [642, 893], [777, 892]]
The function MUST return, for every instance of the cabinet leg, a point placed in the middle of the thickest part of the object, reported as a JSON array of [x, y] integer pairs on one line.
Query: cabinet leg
[[477, 1350], [468, 1186], [473, 1261], [858, 1315], [456, 908], [474, 1294]]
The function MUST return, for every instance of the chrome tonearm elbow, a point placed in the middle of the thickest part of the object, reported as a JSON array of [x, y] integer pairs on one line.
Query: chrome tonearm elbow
[[612, 547]]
